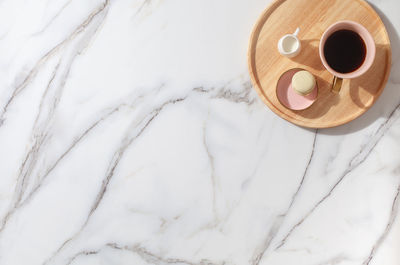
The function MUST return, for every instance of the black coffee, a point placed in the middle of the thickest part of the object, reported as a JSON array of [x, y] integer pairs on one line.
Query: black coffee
[[345, 51]]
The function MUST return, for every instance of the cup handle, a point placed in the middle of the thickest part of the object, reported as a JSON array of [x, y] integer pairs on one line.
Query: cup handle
[[296, 32], [336, 84]]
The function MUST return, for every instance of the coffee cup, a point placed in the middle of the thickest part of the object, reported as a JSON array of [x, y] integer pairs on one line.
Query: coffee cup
[[347, 50]]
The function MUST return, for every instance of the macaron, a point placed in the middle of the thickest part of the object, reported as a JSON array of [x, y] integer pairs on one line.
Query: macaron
[[303, 82]]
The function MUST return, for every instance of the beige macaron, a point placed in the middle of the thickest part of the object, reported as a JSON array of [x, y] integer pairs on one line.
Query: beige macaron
[[303, 82]]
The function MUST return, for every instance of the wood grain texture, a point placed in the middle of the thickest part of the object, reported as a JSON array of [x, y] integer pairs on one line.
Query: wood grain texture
[[313, 17]]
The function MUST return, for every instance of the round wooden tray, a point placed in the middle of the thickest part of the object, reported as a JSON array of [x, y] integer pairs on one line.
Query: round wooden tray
[[313, 17]]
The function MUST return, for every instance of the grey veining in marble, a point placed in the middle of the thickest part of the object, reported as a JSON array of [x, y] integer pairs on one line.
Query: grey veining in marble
[[130, 134]]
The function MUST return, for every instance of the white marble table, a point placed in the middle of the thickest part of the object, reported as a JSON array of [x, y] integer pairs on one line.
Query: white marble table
[[130, 134]]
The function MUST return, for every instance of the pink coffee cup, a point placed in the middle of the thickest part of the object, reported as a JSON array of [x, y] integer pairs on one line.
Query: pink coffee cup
[[369, 54]]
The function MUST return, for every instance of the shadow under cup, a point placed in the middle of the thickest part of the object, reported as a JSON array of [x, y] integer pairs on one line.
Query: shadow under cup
[[369, 45]]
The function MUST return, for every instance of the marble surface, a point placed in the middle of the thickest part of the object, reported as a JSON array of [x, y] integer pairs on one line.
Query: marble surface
[[130, 134]]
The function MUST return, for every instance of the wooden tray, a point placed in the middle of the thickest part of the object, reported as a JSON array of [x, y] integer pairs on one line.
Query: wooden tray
[[313, 17]]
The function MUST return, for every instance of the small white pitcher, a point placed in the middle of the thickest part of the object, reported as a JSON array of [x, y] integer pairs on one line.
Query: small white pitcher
[[289, 45]]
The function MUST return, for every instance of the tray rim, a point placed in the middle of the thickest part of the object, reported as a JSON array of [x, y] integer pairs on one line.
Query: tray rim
[[256, 29]]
